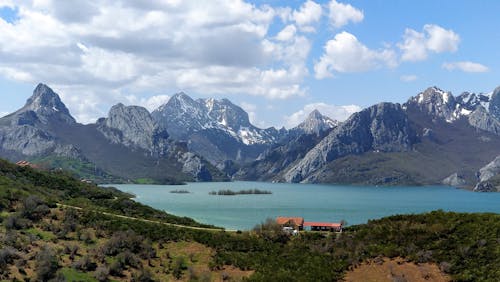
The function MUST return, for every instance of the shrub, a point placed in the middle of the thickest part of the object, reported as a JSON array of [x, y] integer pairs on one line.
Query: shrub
[[34, 208], [116, 268], [143, 276], [46, 264], [101, 273], [16, 222], [127, 258], [7, 256], [179, 267], [85, 264]]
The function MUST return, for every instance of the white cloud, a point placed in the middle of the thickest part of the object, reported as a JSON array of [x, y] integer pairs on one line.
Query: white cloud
[[308, 14], [345, 53], [101, 51], [6, 3], [339, 113], [417, 45], [341, 14], [465, 67], [14, 74], [250, 109], [288, 33], [150, 103], [408, 77]]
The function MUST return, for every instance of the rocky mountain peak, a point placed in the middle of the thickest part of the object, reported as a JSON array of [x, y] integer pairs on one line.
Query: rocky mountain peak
[[129, 125], [435, 95], [47, 105], [384, 127], [226, 113], [494, 105], [315, 123], [435, 102]]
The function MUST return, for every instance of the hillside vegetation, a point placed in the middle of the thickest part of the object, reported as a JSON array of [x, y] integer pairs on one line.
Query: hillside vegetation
[[57, 228]]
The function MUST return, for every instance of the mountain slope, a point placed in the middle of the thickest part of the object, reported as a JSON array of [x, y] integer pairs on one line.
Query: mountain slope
[[127, 143], [289, 150], [437, 136], [216, 129], [383, 127]]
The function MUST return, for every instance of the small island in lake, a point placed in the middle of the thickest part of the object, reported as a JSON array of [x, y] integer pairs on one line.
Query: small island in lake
[[180, 191], [228, 192]]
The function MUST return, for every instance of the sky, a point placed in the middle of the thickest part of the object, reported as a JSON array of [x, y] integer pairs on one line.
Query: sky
[[278, 60]]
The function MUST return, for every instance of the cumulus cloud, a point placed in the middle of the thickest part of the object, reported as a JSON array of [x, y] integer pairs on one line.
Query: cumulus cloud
[[341, 14], [15, 74], [100, 51], [345, 53], [250, 109], [287, 33], [465, 66], [150, 103], [417, 45], [408, 77], [308, 14], [6, 3], [339, 113]]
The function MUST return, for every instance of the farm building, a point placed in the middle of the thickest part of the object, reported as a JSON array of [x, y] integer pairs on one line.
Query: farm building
[[295, 222], [324, 226]]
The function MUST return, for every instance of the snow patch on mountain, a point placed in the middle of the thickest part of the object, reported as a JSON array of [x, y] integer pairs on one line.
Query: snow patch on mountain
[[182, 116]]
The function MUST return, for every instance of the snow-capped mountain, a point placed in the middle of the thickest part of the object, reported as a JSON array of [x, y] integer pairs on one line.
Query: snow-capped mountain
[[127, 143], [481, 110], [217, 129], [315, 123], [299, 140]]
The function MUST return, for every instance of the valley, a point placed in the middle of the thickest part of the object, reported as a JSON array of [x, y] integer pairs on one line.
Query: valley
[[434, 138], [57, 228]]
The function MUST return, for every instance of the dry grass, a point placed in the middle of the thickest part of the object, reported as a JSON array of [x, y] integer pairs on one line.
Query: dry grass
[[391, 270]]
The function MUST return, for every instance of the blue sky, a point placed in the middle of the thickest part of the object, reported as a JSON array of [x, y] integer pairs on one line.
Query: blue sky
[[279, 60]]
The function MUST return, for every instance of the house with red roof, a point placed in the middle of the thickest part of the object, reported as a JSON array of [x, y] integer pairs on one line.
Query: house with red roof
[[296, 222]]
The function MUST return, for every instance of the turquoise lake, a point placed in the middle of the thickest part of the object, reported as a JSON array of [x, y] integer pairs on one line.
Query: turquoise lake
[[314, 202]]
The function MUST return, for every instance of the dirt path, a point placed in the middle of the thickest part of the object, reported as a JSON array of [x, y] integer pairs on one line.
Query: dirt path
[[150, 221]]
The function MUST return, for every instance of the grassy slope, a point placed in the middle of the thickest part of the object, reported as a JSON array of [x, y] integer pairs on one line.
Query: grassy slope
[[61, 187], [467, 244]]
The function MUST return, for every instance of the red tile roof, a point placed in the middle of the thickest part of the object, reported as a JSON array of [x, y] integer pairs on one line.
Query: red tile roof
[[323, 224], [294, 220], [24, 163]]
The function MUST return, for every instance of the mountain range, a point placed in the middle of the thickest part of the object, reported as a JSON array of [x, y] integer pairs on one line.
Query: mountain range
[[433, 138]]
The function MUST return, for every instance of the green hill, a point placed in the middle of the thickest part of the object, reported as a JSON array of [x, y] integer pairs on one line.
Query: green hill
[[57, 228]]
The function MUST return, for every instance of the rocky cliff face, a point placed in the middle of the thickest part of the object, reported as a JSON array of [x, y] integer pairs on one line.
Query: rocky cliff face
[[436, 103], [27, 131], [47, 106], [131, 126], [383, 127], [482, 111], [315, 123], [292, 148], [216, 129], [489, 177], [44, 128]]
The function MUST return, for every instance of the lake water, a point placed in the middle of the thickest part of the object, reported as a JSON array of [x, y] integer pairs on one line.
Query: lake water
[[314, 202]]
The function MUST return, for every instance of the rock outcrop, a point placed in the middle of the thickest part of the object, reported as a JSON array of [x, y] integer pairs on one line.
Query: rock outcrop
[[215, 129], [455, 180], [383, 127]]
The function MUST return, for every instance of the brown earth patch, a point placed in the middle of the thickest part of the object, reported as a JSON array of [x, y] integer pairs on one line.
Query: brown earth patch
[[391, 270]]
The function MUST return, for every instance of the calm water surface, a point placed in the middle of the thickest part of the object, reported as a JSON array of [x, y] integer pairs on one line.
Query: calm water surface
[[314, 202]]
